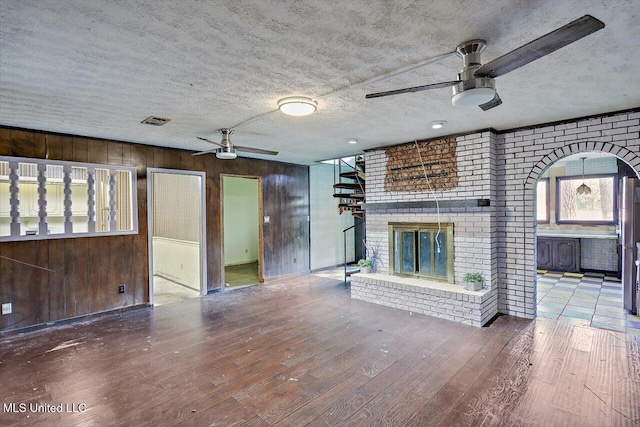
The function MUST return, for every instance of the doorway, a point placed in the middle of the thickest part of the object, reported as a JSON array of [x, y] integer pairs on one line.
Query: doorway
[[177, 249], [242, 230], [577, 240]]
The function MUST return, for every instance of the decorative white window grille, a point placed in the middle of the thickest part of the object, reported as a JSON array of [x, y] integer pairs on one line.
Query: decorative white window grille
[[48, 199]]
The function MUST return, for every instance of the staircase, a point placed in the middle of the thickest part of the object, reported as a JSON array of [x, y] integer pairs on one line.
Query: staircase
[[349, 186]]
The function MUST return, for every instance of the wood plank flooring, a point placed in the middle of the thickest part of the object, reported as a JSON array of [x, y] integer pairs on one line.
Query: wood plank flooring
[[298, 351]]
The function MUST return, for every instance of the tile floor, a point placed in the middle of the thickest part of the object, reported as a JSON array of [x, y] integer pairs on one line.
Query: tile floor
[[588, 299], [165, 291]]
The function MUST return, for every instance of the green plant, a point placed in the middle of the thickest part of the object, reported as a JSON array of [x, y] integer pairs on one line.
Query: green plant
[[473, 278], [364, 263]]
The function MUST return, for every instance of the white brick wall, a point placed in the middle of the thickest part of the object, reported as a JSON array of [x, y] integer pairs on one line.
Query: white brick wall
[[475, 230], [444, 301], [474, 249], [522, 157], [499, 240], [474, 152]]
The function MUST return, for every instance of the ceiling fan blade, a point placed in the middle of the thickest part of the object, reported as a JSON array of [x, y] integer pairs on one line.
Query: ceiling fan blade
[[540, 47], [212, 142], [493, 103], [255, 150], [204, 152], [411, 89]]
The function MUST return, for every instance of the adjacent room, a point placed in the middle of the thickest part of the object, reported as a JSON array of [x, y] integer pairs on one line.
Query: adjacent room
[[584, 206], [242, 204], [315, 213], [176, 219]]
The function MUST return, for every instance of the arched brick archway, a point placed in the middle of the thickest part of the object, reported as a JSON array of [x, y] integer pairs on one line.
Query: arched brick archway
[[623, 153]]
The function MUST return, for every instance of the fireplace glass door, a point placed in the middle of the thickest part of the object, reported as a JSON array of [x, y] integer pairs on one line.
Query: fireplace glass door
[[423, 250]]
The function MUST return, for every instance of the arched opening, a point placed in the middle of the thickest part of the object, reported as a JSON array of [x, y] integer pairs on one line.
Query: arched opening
[[582, 267]]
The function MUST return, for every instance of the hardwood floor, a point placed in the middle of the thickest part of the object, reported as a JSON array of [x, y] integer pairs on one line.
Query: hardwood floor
[[298, 351]]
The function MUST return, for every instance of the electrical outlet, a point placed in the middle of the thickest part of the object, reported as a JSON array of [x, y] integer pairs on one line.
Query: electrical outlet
[[7, 308], [121, 289]]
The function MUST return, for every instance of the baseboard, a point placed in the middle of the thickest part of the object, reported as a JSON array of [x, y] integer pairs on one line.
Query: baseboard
[[235, 264], [331, 267], [70, 320], [284, 276], [176, 283]]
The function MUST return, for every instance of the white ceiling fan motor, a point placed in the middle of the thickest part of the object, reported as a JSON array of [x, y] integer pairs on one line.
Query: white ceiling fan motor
[[472, 90]]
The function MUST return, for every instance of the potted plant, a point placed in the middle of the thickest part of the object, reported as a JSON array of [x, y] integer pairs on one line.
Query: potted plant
[[365, 266], [474, 281]]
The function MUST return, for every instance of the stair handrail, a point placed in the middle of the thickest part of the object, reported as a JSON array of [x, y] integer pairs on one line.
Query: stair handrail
[[344, 240], [355, 169]]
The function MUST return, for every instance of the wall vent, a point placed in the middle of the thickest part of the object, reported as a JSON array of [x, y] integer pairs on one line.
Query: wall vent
[[155, 121]]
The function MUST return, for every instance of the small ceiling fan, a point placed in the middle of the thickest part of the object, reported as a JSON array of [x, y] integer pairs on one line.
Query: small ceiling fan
[[475, 83], [228, 150]]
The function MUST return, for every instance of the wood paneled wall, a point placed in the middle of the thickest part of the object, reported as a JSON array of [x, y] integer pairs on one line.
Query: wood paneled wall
[[88, 271]]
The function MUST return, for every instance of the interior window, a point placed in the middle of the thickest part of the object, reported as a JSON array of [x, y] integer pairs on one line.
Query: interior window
[[54, 196], [45, 199], [79, 198], [5, 220], [591, 200], [542, 201]]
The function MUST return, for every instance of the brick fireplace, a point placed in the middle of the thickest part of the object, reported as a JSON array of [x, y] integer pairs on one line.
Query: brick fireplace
[[461, 173], [484, 183]]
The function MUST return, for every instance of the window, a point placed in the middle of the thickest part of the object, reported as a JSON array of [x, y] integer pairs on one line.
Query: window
[[596, 208], [420, 250], [46, 199], [542, 201]]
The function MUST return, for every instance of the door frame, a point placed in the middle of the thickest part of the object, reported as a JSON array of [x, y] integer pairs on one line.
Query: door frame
[[260, 226], [203, 223]]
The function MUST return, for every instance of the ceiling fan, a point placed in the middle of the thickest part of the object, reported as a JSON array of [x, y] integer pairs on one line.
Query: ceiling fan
[[475, 84], [228, 150]]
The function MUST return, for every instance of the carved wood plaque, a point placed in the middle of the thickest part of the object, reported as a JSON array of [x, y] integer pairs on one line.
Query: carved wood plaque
[[405, 172]]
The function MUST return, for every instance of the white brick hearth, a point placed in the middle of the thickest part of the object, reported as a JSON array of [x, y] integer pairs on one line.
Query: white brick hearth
[[451, 302]]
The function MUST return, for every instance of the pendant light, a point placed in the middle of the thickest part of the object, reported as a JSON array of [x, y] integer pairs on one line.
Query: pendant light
[[584, 188]]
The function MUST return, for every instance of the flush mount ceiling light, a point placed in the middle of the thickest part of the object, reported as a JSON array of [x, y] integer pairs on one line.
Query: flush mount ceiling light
[[353, 141], [297, 106], [439, 124]]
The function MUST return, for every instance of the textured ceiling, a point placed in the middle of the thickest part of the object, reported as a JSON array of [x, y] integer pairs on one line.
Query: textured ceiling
[[99, 67]]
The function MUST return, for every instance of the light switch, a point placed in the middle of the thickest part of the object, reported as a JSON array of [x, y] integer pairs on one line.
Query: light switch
[[267, 219]]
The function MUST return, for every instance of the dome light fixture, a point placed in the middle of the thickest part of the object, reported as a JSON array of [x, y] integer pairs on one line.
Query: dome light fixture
[[353, 141], [297, 106], [438, 124]]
